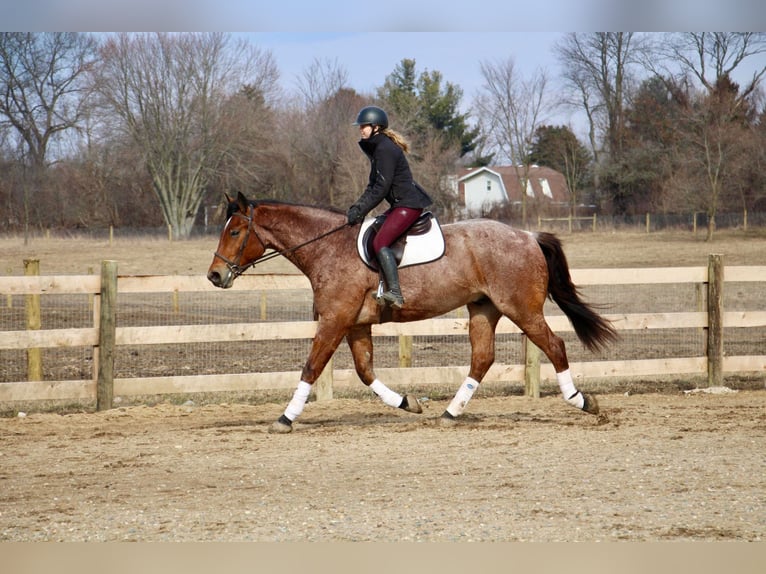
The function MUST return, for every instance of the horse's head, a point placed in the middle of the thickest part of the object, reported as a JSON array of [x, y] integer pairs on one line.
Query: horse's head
[[239, 245]]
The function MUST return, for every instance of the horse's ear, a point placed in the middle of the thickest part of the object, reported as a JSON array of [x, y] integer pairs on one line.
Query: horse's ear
[[228, 198], [242, 202]]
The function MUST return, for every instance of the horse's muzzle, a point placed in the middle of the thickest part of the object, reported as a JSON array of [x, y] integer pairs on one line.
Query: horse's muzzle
[[223, 281]]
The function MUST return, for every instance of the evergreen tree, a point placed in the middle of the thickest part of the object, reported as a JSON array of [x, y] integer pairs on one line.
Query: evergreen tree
[[426, 102]]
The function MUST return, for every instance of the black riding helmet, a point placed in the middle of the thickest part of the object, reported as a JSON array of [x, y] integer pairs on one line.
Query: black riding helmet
[[371, 115]]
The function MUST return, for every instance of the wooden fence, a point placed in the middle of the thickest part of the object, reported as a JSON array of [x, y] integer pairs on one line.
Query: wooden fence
[[569, 219], [105, 335], [742, 220]]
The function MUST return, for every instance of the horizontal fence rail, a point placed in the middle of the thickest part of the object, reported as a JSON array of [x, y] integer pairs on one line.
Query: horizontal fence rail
[[105, 335]]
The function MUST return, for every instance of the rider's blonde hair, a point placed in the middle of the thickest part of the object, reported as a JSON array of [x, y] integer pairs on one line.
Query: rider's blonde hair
[[397, 138]]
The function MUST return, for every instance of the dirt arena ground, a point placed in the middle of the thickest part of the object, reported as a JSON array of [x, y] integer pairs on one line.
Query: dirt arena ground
[[660, 466], [687, 466]]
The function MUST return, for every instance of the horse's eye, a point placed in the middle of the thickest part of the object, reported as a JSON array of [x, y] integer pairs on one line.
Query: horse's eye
[[234, 232]]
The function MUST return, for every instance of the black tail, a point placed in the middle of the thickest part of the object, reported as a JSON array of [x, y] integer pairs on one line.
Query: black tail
[[594, 331]]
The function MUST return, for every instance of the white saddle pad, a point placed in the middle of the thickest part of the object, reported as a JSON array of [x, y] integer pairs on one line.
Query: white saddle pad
[[418, 249]]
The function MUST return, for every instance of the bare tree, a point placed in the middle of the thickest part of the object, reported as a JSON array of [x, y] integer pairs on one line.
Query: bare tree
[[716, 125], [321, 81], [710, 56], [514, 107], [42, 95], [42, 92], [597, 73], [169, 91], [716, 142], [324, 148]]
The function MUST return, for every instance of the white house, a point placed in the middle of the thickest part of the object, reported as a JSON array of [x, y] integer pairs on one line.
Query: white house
[[481, 188]]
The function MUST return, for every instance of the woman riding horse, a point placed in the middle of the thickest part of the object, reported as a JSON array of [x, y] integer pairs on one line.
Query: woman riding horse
[[390, 179]]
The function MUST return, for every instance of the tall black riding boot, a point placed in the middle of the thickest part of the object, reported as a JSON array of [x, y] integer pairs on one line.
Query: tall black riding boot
[[387, 263]]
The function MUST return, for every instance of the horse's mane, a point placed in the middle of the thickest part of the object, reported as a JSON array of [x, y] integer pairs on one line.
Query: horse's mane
[[233, 207]]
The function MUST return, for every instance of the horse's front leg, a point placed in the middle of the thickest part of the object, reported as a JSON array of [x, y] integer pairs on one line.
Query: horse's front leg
[[483, 318], [328, 335], [360, 341]]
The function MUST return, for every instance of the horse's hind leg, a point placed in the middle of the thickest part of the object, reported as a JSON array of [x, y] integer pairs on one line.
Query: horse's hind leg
[[360, 341], [538, 331], [483, 318]]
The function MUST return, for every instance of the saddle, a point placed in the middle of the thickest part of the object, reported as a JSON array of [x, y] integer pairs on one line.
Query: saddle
[[421, 243]]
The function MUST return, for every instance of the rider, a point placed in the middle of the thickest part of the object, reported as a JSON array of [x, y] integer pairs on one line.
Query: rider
[[390, 179]]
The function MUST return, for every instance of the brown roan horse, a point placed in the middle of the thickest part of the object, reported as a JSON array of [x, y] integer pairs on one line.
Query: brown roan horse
[[488, 266]]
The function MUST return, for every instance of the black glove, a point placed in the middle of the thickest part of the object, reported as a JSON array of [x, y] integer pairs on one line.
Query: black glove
[[354, 214]]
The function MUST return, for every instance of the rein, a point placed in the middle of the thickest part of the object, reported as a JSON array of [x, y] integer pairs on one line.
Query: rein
[[238, 269]]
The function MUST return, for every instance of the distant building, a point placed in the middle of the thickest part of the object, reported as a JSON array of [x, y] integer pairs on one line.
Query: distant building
[[483, 189]]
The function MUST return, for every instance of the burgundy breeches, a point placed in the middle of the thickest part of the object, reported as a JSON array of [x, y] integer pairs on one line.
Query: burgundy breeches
[[398, 219]]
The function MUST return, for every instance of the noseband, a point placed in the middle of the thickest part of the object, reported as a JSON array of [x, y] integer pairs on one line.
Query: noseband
[[238, 269]]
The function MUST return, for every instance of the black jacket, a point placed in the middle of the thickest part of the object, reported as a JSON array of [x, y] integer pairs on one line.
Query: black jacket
[[390, 177]]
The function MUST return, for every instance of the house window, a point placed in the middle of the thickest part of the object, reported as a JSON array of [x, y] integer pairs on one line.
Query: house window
[[546, 187], [489, 185], [530, 189]]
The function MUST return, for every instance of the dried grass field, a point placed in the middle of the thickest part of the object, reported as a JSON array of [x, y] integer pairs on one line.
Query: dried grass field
[[664, 464]]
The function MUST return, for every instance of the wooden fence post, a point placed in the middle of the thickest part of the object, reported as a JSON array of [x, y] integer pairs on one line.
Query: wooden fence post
[[715, 321], [405, 351], [699, 302], [531, 368], [34, 322], [9, 297], [106, 336], [91, 296]]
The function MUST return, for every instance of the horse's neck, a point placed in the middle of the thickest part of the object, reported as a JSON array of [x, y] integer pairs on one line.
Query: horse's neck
[[294, 226]]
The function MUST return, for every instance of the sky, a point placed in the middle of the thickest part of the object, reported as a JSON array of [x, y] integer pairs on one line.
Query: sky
[[368, 40], [368, 57]]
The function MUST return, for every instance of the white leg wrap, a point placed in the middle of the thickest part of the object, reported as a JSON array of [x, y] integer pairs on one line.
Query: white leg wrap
[[391, 398], [568, 389], [295, 406], [462, 396]]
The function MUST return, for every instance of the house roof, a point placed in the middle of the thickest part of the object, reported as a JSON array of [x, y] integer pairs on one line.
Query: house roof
[[547, 183]]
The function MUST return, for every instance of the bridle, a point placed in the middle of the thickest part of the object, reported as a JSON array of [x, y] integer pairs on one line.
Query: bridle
[[237, 269]]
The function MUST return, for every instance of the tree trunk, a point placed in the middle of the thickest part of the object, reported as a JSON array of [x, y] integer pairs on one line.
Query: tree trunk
[[710, 227]]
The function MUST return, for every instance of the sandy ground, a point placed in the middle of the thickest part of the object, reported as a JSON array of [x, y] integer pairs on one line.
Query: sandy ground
[[683, 466]]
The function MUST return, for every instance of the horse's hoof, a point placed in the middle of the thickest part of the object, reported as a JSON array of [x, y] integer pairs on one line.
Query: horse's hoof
[[278, 427], [413, 405], [590, 405], [446, 420]]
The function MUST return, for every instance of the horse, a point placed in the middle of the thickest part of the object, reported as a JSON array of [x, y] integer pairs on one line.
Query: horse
[[489, 267]]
